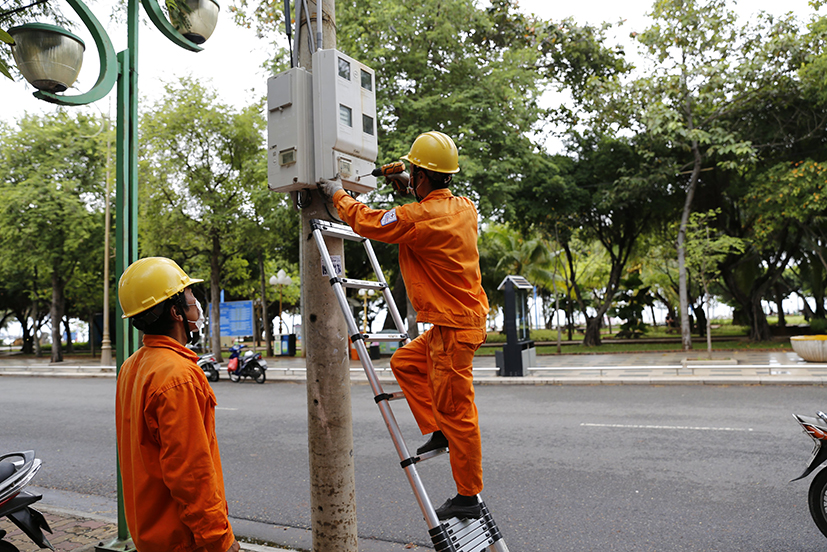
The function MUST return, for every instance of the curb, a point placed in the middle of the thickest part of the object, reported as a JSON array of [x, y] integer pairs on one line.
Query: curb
[[254, 536]]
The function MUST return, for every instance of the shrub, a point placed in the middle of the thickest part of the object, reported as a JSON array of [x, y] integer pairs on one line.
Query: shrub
[[818, 325]]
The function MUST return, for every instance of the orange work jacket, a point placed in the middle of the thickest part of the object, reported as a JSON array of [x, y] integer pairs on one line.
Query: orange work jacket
[[173, 486], [438, 253]]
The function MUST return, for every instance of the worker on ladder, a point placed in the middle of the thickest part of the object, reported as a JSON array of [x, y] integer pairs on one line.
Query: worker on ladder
[[439, 261]]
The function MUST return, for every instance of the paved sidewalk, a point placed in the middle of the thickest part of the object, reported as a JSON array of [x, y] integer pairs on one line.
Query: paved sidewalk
[[69, 532], [654, 368], [78, 531], [80, 522]]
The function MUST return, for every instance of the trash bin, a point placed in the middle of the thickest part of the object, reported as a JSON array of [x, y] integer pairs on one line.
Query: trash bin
[[375, 352], [288, 345]]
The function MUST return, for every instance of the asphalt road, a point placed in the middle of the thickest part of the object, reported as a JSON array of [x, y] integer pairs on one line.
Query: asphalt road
[[567, 468]]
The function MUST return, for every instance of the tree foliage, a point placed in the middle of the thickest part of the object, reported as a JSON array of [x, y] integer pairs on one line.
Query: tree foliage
[[51, 224], [205, 201]]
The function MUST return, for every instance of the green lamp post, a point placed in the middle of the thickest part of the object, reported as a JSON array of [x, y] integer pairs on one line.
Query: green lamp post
[[50, 59]]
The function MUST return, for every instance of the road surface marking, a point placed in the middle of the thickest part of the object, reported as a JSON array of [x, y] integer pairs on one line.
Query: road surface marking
[[622, 426]]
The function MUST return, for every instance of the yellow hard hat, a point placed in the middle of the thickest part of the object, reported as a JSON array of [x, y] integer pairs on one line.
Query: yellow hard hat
[[150, 281], [434, 151]]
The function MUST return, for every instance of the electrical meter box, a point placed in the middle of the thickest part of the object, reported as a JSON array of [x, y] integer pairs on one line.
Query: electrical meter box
[[290, 155], [344, 123]]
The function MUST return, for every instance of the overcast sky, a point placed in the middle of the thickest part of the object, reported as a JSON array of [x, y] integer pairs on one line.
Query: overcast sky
[[232, 58]]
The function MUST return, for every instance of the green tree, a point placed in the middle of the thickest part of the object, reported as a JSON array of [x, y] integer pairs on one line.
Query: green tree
[[775, 204], [705, 251], [453, 66], [718, 105], [701, 65], [50, 204], [202, 165], [504, 251], [609, 195]]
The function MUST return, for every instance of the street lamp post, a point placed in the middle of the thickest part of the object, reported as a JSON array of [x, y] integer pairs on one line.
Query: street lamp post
[[106, 345], [120, 69], [280, 280]]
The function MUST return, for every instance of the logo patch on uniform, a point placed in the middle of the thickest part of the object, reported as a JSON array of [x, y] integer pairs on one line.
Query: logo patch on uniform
[[388, 217]]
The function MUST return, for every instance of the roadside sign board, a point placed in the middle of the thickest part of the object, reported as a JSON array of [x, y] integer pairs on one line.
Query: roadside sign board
[[236, 318]]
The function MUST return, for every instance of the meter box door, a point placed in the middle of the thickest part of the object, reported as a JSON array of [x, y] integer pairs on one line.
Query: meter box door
[[290, 161], [344, 103]]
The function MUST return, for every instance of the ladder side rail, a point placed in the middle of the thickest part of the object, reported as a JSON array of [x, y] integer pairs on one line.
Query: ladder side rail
[[340, 295], [409, 465], [386, 292]]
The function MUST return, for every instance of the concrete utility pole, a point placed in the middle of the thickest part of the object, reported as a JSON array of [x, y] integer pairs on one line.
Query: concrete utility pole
[[324, 332]]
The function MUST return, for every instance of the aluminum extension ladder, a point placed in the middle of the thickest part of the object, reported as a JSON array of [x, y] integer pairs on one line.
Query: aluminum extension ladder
[[453, 535]]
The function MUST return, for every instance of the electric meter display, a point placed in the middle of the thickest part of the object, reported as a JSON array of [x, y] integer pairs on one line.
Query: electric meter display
[[344, 122]]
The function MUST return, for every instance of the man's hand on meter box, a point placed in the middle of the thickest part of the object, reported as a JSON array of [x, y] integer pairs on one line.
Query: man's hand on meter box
[[329, 187]]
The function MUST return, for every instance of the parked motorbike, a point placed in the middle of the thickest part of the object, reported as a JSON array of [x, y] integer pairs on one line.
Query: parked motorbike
[[209, 365], [816, 428], [250, 365], [16, 471]]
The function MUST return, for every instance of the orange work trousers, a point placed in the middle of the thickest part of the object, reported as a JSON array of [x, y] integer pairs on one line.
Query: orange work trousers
[[435, 372]]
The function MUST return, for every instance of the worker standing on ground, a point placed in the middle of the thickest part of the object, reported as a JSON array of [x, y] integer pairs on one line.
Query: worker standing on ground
[[173, 486], [439, 260]]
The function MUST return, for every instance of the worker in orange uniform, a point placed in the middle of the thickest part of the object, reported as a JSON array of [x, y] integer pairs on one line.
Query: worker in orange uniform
[[173, 486], [439, 260]]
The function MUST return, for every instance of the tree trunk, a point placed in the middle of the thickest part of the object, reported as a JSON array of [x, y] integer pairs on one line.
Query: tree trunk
[[686, 335], [759, 327], [779, 303], [56, 314], [215, 299], [268, 334], [92, 334], [28, 339], [70, 347], [806, 310], [701, 319], [592, 337], [38, 350]]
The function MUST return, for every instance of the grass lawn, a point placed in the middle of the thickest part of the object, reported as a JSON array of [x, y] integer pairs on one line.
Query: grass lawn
[[721, 330]]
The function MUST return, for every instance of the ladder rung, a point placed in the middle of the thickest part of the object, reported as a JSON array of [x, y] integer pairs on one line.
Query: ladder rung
[[362, 284], [385, 337], [432, 454], [337, 230]]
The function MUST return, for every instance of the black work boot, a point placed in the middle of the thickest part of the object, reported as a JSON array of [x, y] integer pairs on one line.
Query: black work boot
[[436, 441], [462, 507]]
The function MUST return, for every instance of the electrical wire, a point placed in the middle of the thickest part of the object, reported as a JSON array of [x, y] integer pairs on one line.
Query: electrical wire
[[288, 31]]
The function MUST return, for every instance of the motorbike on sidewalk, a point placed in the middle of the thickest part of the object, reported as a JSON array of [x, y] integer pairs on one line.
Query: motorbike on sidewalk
[[17, 469], [209, 365], [816, 428], [250, 365]]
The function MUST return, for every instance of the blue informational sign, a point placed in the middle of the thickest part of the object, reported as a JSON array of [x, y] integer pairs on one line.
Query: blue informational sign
[[236, 318]]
